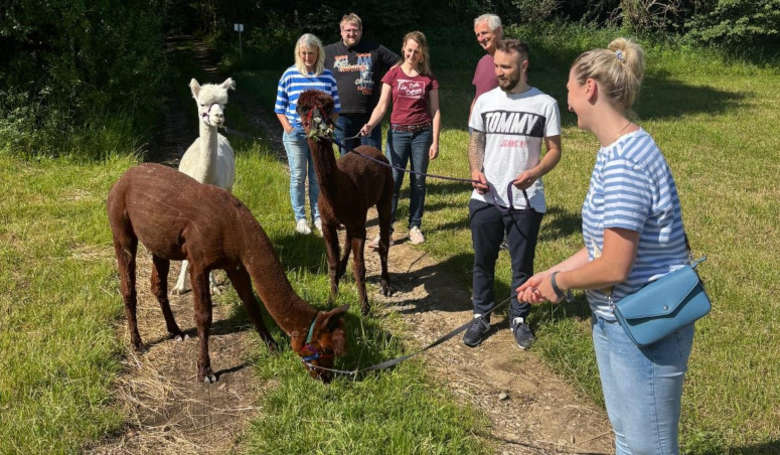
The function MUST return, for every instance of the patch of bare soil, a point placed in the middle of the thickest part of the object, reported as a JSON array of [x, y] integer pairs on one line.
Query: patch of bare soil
[[531, 409]]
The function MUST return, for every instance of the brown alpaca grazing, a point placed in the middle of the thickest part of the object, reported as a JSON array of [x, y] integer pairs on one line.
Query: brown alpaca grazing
[[348, 188], [177, 218]]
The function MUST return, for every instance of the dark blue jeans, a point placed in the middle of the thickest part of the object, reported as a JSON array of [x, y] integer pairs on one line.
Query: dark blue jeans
[[348, 125], [403, 146], [488, 225]]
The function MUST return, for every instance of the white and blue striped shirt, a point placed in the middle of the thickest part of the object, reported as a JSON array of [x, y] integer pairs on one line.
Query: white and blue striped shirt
[[632, 188], [293, 83]]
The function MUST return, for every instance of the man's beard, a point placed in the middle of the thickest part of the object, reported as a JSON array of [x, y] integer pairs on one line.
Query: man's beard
[[508, 84]]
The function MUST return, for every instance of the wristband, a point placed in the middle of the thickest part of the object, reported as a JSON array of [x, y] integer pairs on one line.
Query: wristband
[[558, 292]]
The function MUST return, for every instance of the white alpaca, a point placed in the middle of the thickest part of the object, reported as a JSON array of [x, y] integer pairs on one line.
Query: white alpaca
[[210, 158]]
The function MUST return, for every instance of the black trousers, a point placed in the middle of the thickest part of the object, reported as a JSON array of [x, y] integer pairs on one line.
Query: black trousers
[[488, 225]]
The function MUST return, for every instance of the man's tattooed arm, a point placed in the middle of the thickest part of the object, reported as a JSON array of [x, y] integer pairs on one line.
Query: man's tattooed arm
[[476, 151]]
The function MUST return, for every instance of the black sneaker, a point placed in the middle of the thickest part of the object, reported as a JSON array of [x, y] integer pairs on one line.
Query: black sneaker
[[522, 333], [476, 332]]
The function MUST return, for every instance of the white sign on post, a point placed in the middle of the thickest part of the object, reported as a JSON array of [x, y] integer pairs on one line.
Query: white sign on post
[[239, 28]]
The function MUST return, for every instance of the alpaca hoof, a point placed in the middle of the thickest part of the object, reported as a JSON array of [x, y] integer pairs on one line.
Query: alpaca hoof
[[210, 378], [179, 337], [179, 291], [138, 346]]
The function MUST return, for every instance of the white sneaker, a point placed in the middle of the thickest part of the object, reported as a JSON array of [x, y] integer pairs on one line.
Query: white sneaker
[[416, 236], [318, 226], [302, 227]]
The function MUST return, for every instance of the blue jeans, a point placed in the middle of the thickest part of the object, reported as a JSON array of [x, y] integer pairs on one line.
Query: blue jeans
[[300, 162], [488, 226], [401, 147], [642, 387], [348, 125]]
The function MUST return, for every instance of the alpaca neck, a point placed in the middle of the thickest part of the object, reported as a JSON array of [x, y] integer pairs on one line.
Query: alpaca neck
[[291, 313], [324, 166], [206, 162]]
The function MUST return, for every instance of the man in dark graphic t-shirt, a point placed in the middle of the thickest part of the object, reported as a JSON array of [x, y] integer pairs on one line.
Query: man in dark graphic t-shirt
[[358, 67]]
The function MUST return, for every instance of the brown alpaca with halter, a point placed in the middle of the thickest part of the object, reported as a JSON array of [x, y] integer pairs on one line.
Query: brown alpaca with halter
[[177, 218], [348, 188]]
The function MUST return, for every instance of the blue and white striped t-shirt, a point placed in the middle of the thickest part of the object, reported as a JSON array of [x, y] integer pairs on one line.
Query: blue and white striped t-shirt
[[293, 83], [631, 187]]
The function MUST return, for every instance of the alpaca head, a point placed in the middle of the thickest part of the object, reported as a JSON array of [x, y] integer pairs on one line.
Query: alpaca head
[[211, 100], [315, 109], [324, 341]]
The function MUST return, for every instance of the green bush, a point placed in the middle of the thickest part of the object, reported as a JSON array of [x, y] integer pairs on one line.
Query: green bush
[[737, 24]]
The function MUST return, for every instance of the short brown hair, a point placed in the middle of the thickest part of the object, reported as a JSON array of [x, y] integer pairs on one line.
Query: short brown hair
[[513, 45], [352, 18]]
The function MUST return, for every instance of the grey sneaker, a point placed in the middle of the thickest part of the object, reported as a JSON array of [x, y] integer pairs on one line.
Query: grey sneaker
[[522, 333], [476, 332]]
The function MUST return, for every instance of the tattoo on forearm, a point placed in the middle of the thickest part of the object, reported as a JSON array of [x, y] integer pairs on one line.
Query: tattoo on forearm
[[476, 150]]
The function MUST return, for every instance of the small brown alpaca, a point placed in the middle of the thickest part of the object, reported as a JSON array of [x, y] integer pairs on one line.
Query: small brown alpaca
[[348, 188], [177, 218]]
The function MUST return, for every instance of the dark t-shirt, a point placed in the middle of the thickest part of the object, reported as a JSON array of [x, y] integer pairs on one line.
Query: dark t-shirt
[[358, 71], [410, 96]]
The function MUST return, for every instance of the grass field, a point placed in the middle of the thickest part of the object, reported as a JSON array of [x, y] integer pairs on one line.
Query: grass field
[[715, 120]]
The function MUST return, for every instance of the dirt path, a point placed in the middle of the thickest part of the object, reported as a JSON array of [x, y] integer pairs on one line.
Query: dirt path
[[531, 409]]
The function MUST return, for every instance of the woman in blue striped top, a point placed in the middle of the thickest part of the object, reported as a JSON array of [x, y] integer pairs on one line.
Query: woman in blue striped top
[[308, 73], [633, 232]]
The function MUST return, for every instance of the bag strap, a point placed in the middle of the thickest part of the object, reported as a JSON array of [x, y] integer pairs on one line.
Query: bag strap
[[698, 261]]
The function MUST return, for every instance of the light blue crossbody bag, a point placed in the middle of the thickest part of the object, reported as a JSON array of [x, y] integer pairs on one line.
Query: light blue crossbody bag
[[663, 306]]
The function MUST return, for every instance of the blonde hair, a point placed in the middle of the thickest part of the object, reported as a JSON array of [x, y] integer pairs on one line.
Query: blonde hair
[[424, 67], [351, 18], [310, 41], [619, 69]]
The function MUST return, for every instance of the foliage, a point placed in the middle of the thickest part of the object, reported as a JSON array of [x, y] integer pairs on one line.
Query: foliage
[[737, 23], [65, 64]]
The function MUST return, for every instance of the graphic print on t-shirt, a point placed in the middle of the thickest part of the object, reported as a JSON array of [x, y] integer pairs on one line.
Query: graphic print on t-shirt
[[410, 88], [364, 83], [514, 123]]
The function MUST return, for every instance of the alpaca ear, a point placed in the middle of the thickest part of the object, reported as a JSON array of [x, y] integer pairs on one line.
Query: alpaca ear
[[229, 84], [194, 88], [332, 317]]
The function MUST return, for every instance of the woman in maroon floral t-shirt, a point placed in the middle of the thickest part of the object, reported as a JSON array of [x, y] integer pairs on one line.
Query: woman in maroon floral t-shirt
[[415, 122]]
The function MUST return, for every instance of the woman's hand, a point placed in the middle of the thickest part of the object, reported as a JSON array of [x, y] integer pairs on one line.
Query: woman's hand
[[433, 152], [538, 289], [366, 130]]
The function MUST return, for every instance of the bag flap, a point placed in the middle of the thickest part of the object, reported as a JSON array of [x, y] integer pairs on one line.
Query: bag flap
[[659, 297]]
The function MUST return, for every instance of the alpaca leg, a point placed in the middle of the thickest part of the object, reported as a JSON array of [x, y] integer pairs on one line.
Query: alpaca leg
[[125, 249], [202, 301], [332, 249], [243, 284], [385, 226], [359, 269], [160, 290], [181, 282], [344, 256]]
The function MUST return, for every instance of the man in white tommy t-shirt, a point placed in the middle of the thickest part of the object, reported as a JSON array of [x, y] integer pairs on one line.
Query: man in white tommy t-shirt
[[509, 124]]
